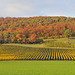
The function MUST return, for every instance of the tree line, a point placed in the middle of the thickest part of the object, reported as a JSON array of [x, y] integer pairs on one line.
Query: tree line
[[34, 29]]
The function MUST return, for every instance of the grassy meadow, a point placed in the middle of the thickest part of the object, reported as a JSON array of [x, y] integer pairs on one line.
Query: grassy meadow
[[37, 67]]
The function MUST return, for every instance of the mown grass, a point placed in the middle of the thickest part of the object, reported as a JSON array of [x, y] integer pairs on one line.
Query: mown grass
[[26, 45], [38, 46], [53, 43], [37, 67], [60, 42], [70, 40]]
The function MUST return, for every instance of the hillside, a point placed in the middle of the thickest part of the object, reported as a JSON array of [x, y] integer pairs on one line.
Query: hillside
[[25, 30]]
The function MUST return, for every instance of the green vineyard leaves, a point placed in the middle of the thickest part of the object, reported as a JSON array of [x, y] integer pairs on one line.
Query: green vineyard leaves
[[28, 53]]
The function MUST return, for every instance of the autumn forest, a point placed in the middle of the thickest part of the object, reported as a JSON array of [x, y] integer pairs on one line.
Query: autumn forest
[[34, 29]]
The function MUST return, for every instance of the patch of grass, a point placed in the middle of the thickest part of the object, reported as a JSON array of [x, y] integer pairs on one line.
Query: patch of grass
[[37, 67], [70, 40], [53, 43], [26, 45]]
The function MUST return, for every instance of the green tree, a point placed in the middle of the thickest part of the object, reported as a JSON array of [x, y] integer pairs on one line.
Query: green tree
[[6, 36], [68, 33], [1, 37]]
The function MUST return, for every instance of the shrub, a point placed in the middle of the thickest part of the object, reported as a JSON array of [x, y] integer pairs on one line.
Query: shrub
[[39, 41]]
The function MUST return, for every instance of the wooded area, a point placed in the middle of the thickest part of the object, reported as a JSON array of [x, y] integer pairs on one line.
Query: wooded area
[[34, 29]]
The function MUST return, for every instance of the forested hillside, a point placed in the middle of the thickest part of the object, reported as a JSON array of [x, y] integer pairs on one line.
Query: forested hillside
[[25, 30]]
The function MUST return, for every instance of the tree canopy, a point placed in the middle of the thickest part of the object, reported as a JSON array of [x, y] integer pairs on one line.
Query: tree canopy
[[19, 30]]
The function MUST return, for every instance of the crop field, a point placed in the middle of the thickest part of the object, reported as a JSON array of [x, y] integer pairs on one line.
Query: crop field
[[11, 52], [49, 58], [37, 67]]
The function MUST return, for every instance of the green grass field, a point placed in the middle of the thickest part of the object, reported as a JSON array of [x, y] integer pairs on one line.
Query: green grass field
[[37, 67], [70, 40], [26, 45]]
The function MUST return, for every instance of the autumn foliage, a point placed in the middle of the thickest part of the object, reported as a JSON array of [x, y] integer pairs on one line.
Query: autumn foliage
[[33, 37], [22, 30]]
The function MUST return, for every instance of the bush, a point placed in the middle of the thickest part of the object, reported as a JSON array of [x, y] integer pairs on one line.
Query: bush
[[39, 41], [27, 41]]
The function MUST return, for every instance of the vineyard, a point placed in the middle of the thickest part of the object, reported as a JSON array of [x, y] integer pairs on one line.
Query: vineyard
[[11, 52]]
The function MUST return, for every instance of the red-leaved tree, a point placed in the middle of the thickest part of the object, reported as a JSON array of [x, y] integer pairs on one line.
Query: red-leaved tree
[[33, 37]]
